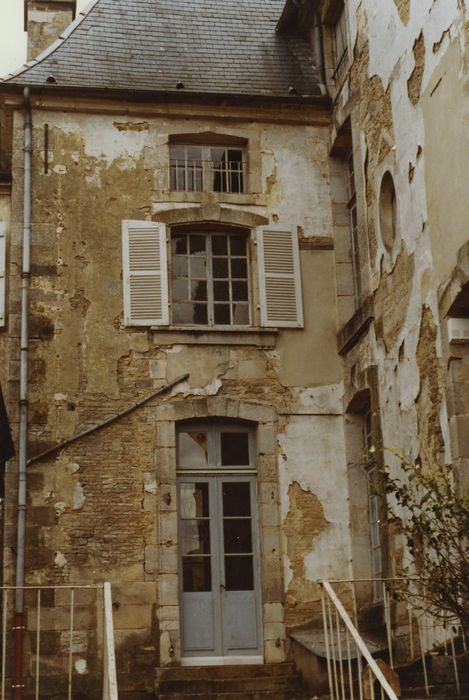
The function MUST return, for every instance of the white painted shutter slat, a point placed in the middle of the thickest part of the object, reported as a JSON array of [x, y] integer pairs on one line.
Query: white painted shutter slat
[[279, 278], [145, 273], [3, 250]]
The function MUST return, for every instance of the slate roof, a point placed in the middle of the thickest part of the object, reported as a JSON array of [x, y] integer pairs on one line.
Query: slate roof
[[228, 47]]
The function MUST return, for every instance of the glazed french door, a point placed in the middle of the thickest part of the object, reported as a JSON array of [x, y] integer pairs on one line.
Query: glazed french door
[[219, 564]]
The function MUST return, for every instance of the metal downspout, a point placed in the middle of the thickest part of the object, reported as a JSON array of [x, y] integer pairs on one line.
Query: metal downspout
[[23, 428], [320, 52]]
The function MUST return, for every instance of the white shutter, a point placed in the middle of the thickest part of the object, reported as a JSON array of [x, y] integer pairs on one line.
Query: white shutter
[[279, 278], [145, 273], [3, 252]]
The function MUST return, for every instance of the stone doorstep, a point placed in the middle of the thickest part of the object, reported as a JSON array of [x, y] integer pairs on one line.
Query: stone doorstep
[[243, 682], [231, 685], [235, 671]]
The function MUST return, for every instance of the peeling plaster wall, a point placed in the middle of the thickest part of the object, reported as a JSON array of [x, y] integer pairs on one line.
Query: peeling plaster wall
[[406, 92], [95, 504]]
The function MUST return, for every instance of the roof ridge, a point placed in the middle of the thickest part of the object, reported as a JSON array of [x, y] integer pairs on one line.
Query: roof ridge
[[55, 45]]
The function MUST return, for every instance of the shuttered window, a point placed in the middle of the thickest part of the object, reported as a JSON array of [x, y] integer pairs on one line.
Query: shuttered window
[[2, 271], [145, 273], [279, 278]]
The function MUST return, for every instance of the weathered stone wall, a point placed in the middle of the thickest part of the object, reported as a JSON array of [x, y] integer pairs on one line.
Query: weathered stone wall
[[403, 93], [47, 19], [96, 510]]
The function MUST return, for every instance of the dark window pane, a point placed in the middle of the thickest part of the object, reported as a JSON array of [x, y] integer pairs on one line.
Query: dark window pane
[[235, 155], [219, 245], [194, 497], [180, 289], [240, 291], [239, 573], [195, 537], [236, 182], [238, 245], [200, 314], [180, 266], [240, 314], [221, 291], [199, 290], [236, 499], [179, 245], [196, 574], [220, 268], [237, 536], [234, 449], [197, 245], [222, 316], [192, 453], [239, 267]]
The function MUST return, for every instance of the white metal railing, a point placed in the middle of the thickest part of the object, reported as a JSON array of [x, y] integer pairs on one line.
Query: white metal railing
[[109, 658], [411, 631], [68, 641], [346, 676]]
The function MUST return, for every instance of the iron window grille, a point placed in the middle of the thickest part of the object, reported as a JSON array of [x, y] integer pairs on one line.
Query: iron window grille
[[207, 169]]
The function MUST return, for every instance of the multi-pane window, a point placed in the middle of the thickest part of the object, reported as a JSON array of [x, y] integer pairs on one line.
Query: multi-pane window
[[210, 281], [340, 45], [352, 206], [207, 169]]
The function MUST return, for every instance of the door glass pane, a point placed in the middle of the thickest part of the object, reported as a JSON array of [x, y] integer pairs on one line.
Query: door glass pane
[[194, 501], [196, 574], [237, 535], [239, 573], [236, 499], [235, 449], [193, 449], [195, 537]]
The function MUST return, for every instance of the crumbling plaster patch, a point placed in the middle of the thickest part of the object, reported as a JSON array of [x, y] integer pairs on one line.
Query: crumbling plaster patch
[[313, 456], [428, 24], [305, 161]]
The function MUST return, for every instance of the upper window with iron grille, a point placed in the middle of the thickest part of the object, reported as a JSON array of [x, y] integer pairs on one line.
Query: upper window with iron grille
[[195, 168]]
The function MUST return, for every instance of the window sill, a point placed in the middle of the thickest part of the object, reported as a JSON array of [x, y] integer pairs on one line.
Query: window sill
[[167, 196], [350, 334], [178, 335]]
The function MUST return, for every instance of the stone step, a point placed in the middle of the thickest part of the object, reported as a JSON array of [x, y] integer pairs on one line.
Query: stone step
[[221, 685], [246, 682], [224, 672], [262, 695]]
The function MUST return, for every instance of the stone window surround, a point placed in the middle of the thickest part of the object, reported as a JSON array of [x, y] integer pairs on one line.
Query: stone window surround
[[272, 588], [207, 136], [214, 213]]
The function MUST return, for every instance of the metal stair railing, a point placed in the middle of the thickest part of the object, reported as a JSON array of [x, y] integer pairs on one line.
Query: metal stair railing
[[65, 634], [341, 667]]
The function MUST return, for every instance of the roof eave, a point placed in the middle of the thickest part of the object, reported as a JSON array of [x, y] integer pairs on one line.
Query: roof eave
[[165, 95]]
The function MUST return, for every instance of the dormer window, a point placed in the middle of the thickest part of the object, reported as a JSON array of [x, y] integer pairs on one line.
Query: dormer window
[[195, 168]]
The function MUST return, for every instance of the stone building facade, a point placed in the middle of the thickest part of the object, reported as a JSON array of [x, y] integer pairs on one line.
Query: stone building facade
[[265, 203]]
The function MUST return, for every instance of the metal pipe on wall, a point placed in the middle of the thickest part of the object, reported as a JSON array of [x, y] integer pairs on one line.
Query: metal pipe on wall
[[23, 427], [318, 40]]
